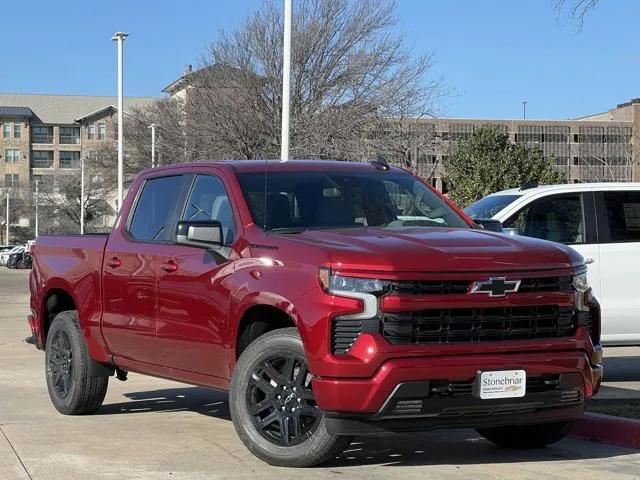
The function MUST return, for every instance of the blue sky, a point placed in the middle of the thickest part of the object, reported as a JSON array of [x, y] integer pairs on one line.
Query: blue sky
[[492, 53]]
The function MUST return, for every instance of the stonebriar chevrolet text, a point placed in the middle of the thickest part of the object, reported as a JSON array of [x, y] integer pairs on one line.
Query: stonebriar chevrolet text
[[330, 299]]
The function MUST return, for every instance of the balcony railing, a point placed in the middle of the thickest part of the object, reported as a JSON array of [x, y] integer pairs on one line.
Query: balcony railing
[[41, 138], [42, 163], [69, 139]]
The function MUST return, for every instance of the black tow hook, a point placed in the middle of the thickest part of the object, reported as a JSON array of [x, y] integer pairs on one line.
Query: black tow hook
[[121, 374]]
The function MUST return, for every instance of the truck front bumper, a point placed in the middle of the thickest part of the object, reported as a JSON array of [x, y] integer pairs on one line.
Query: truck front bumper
[[420, 394]]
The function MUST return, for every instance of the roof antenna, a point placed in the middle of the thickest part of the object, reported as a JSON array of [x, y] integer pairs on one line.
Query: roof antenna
[[380, 163]]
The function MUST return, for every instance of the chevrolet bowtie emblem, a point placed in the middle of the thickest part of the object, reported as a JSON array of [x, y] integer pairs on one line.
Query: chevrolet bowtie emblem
[[496, 286]]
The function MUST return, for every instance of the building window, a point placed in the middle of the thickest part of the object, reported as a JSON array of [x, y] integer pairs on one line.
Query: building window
[[102, 131], [17, 130], [40, 134], [6, 130], [70, 135], [69, 159], [11, 180], [91, 131], [42, 159], [12, 156]]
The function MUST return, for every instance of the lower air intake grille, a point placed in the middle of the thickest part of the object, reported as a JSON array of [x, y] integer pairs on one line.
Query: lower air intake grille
[[343, 333]]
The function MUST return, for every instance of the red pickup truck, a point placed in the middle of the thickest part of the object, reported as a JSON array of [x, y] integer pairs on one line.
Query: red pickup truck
[[330, 299]]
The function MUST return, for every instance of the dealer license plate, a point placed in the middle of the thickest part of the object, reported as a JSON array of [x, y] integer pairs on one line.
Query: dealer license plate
[[501, 384]]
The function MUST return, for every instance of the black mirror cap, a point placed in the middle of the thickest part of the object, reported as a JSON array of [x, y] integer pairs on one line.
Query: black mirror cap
[[489, 224], [201, 233]]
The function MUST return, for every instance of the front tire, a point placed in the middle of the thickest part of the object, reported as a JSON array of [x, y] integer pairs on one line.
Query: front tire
[[527, 436], [272, 404], [71, 389]]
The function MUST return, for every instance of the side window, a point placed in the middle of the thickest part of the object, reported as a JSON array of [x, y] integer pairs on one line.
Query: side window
[[623, 213], [209, 201], [558, 218], [154, 207]]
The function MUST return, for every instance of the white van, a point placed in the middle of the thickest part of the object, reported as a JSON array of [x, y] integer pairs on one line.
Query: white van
[[599, 220]]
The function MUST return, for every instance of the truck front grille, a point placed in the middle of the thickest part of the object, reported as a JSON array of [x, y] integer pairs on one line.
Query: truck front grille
[[460, 287], [465, 325]]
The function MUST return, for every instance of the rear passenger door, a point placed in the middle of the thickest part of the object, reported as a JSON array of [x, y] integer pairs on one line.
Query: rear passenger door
[[567, 218], [619, 222], [193, 298], [129, 276]]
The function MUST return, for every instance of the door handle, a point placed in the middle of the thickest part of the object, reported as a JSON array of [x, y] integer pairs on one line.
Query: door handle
[[114, 262], [169, 266]]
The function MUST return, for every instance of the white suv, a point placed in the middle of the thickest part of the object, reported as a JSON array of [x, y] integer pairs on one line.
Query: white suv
[[602, 222]]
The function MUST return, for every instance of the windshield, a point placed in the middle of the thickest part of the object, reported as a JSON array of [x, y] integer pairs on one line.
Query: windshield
[[489, 206], [297, 201]]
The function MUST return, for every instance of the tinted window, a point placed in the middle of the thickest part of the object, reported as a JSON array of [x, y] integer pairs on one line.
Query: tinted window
[[489, 206], [209, 201], [557, 218], [154, 207], [308, 200], [623, 212]]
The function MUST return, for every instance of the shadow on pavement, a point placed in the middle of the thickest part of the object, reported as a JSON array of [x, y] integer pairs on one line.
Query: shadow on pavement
[[193, 399], [443, 447], [622, 369]]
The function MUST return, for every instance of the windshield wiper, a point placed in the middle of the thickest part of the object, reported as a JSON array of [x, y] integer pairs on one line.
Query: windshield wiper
[[291, 230]]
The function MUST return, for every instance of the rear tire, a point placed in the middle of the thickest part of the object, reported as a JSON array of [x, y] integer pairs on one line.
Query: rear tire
[[527, 436], [272, 404], [71, 389]]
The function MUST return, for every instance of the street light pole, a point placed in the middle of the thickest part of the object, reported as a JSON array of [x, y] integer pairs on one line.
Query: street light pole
[[36, 229], [119, 37], [153, 144], [286, 81], [7, 226], [82, 196], [524, 109]]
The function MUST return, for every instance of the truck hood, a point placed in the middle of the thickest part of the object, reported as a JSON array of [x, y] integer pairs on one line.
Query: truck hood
[[437, 250]]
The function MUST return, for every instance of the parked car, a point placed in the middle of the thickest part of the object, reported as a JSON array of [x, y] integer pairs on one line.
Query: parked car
[[330, 298], [6, 248], [20, 260], [599, 220], [15, 258], [4, 256]]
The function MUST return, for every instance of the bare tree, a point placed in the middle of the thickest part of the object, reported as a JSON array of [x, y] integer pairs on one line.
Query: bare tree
[[577, 9], [349, 72]]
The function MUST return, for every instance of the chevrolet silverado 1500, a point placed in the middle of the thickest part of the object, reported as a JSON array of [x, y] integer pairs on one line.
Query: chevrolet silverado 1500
[[330, 299]]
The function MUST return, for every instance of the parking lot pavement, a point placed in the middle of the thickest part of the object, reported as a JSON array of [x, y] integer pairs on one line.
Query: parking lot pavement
[[157, 429], [621, 374]]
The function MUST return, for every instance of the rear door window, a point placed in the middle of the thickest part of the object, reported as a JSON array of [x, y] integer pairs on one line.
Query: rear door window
[[557, 218], [154, 208], [623, 215]]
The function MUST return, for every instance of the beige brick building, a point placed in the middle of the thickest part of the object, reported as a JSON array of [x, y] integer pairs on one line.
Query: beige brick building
[[45, 135], [600, 147]]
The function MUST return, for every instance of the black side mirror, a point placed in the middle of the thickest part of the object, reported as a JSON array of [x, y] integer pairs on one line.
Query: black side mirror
[[489, 224], [205, 234]]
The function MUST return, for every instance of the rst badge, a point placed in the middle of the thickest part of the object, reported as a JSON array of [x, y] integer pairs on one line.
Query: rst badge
[[496, 286]]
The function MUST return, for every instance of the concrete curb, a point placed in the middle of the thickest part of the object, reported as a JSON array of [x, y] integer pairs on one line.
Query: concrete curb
[[623, 432]]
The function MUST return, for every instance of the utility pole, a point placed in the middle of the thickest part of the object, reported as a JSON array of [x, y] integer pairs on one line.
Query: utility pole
[[36, 226], [153, 144], [286, 81], [119, 37], [82, 196], [524, 109]]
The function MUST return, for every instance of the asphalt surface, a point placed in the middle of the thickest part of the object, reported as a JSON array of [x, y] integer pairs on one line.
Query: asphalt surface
[[157, 429]]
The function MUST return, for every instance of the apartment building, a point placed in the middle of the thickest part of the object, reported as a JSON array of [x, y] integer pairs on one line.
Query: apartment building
[[44, 136], [600, 147]]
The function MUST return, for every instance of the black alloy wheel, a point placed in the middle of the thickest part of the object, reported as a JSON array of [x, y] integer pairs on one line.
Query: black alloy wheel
[[280, 400], [60, 366]]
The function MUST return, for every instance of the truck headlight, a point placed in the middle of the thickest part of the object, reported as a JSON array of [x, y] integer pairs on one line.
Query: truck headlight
[[580, 282], [365, 289]]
